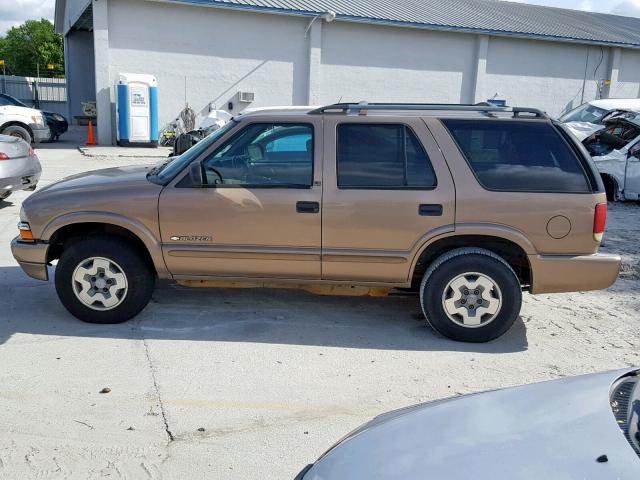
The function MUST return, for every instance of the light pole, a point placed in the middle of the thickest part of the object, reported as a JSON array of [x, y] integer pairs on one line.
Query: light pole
[[4, 75]]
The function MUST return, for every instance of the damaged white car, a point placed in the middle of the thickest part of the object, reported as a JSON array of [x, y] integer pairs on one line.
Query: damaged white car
[[615, 148], [588, 117]]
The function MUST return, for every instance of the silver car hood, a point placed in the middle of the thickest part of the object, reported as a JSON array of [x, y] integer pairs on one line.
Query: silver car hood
[[583, 130], [551, 430]]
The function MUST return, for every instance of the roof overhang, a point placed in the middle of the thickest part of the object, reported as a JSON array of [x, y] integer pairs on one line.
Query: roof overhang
[[58, 17], [82, 17], [396, 23]]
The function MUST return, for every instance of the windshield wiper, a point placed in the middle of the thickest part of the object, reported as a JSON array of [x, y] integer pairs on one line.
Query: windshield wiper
[[158, 168]]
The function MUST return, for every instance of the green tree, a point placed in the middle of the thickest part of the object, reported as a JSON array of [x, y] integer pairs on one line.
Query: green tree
[[32, 44]]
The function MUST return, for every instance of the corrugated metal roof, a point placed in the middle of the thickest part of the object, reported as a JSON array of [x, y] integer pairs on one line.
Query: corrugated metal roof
[[480, 16]]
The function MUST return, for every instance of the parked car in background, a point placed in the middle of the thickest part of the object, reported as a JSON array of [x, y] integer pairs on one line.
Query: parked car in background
[[57, 123], [19, 166], [585, 119], [573, 428], [615, 148], [23, 122], [467, 205]]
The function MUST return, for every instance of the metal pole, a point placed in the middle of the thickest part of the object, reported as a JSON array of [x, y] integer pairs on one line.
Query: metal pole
[[4, 77], [37, 100], [584, 80]]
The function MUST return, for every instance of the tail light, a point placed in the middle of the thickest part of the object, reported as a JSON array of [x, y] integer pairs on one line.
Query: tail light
[[4, 156], [31, 152], [599, 221]]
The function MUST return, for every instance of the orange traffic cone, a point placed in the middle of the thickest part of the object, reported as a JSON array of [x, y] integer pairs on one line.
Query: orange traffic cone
[[90, 138]]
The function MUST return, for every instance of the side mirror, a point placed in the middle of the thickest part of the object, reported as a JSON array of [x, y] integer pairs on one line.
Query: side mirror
[[195, 174]]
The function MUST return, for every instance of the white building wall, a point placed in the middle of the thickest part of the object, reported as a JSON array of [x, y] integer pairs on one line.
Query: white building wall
[[388, 64], [628, 85], [201, 55], [545, 75]]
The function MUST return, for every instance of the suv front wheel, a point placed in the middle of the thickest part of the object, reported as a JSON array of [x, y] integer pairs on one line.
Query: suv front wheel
[[103, 280], [471, 295]]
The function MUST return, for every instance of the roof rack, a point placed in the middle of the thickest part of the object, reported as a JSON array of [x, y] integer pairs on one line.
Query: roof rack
[[362, 108]]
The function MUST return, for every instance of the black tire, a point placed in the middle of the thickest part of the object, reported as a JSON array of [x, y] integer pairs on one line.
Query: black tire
[[611, 188], [139, 276], [18, 131], [463, 261]]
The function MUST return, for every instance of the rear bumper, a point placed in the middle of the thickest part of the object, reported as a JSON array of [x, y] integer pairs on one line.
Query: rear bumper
[[24, 182], [32, 258], [19, 174], [573, 273]]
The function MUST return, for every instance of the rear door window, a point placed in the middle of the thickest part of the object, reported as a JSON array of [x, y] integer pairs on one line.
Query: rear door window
[[519, 156], [383, 156]]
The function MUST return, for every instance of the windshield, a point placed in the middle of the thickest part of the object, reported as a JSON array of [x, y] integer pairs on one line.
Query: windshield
[[584, 113], [9, 100], [164, 172]]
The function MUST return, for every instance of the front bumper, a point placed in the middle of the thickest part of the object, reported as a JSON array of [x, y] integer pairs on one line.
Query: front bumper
[[573, 273], [41, 133], [32, 258]]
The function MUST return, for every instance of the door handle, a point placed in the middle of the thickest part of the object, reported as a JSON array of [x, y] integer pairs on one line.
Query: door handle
[[430, 210], [307, 207]]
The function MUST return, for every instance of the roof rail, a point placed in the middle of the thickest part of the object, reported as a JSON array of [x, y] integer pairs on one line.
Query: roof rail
[[362, 108]]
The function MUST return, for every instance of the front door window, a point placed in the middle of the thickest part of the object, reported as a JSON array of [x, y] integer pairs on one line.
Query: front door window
[[264, 155]]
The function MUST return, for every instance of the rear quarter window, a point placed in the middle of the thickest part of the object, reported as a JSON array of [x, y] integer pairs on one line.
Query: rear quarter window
[[519, 156]]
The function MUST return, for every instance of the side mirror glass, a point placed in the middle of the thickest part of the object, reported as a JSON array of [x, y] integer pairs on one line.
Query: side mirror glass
[[195, 174]]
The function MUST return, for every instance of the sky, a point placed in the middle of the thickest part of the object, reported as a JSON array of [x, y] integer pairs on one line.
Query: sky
[[15, 12]]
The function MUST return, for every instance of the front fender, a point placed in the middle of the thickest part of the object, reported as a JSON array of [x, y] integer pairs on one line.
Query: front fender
[[138, 229]]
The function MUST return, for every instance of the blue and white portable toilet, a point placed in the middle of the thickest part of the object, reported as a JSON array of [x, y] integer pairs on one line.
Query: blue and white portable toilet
[[137, 110]]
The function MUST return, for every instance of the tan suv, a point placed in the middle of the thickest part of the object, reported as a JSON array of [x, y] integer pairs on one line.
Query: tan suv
[[469, 205]]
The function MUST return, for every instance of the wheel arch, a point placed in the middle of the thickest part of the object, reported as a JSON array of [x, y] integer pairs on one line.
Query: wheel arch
[[61, 232], [17, 124], [509, 249], [611, 186]]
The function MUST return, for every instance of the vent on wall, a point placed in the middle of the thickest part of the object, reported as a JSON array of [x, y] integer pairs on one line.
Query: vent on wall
[[246, 97]]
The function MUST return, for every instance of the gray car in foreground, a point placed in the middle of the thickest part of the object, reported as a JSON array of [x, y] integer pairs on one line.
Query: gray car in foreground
[[574, 428], [19, 166]]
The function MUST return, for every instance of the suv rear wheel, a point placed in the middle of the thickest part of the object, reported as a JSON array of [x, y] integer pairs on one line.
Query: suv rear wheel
[[103, 280], [471, 295]]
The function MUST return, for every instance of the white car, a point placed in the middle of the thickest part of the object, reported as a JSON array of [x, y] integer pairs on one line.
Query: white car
[[573, 428], [615, 149], [25, 123], [587, 118], [19, 166]]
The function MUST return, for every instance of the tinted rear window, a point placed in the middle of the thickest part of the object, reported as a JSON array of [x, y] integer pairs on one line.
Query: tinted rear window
[[382, 156], [519, 156]]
